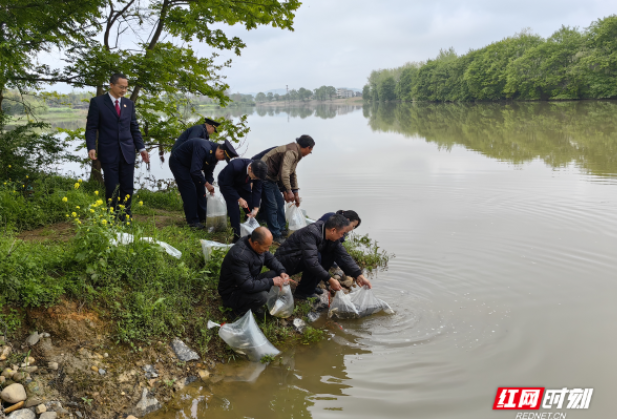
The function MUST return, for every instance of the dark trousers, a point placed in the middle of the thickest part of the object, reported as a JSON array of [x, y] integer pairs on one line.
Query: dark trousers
[[273, 205], [193, 194], [309, 282], [241, 302], [118, 178], [233, 209]]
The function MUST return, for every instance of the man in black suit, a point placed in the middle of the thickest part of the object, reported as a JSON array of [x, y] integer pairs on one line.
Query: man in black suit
[[113, 117], [203, 131], [240, 184]]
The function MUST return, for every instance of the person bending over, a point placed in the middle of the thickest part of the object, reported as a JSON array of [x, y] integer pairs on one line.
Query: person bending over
[[240, 183], [242, 286], [300, 253]]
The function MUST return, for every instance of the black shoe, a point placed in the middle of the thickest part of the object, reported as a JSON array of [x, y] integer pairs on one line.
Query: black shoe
[[279, 239], [285, 232], [300, 296], [197, 226], [318, 291]]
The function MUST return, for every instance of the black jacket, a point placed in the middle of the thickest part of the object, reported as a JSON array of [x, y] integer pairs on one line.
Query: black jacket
[[196, 155], [196, 131], [234, 177], [241, 267], [304, 246]]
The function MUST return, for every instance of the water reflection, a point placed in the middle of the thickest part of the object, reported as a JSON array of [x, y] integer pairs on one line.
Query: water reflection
[[559, 133], [286, 388], [322, 111]]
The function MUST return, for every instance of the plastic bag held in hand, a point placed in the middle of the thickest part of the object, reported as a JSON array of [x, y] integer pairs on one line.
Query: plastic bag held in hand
[[366, 303], [247, 227], [342, 306], [245, 337], [280, 302], [295, 218], [216, 216]]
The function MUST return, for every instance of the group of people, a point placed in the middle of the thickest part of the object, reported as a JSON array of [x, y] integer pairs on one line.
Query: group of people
[[267, 181]]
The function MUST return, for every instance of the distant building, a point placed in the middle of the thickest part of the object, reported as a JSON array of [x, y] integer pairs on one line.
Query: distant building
[[345, 93]]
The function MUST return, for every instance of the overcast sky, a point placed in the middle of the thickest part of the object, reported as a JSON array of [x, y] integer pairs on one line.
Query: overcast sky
[[339, 42]]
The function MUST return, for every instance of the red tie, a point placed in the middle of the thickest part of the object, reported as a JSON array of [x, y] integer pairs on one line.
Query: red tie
[[117, 108], [247, 179]]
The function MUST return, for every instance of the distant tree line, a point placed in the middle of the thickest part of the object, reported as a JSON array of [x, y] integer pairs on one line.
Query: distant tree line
[[302, 94], [570, 64]]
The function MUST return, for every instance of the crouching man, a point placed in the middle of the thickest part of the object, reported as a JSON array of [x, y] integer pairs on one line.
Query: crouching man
[[242, 286], [300, 253]]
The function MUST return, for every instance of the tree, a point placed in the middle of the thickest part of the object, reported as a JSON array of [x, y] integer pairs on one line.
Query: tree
[[304, 94], [600, 65], [261, 97], [270, 96], [387, 90], [366, 92], [164, 75]]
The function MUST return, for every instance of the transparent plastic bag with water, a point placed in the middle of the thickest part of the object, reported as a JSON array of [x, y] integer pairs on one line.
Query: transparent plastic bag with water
[[248, 226], [280, 302], [366, 303], [295, 218], [216, 215], [245, 337], [208, 245], [342, 306]]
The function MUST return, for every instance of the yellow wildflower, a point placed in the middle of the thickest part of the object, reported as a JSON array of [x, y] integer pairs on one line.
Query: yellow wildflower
[[23, 186], [78, 222], [27, 177], [111, 210], [10, 166], [67, 216], [128, 224], [99, 202], [96, 192], [104, 222], [77, 207], [74, 214], [91, 210], [80, 180], [121, 206], [77, 185], [141, 203], [65, 199], [128, 216]]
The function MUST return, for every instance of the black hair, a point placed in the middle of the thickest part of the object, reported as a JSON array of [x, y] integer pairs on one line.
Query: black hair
[[258, 235], [351, 216], [114, 78], [337, 221], [305, 141], [260, 169]]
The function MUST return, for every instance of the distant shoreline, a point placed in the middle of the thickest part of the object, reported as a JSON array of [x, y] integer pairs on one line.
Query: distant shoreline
[[285, 103]]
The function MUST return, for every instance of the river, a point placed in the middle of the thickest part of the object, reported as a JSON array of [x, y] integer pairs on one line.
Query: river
[[503, 222]]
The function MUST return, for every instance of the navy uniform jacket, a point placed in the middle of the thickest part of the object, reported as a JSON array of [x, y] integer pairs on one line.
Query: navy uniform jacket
[[197, 131], [234, 177], [196, 155], [119, 136]]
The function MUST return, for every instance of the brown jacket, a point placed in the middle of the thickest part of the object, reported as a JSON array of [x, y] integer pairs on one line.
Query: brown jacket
[[282, 162]]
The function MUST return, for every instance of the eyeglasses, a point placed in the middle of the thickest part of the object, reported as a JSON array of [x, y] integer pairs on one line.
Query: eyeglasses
[[121, 87]]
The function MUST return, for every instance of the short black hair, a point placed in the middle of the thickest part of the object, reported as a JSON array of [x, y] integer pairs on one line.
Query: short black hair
[[258, 235], [351, 216], [305, 141], [337, 221], [260, 169], [114, 78]]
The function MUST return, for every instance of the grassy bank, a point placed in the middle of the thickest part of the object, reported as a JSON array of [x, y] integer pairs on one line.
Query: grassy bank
[[55, 249]]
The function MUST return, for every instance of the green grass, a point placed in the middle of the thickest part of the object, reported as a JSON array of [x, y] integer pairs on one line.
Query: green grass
[[142, 291]]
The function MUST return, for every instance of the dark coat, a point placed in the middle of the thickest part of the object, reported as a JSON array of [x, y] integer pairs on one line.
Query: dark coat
[[241, 267], [301, 252], [196, 155], [196, 131], [118, 136], [234, 177]]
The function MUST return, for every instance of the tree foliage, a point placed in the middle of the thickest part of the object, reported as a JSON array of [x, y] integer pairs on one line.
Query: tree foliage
[[570, 64]]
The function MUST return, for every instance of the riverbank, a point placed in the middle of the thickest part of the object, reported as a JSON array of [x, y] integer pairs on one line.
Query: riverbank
[[99, 320], [296, 103]]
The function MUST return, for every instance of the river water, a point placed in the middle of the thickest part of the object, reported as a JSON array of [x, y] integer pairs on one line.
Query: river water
[[503, 222]]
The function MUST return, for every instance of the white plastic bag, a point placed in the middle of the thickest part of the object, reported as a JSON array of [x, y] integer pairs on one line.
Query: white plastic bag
[[280, 302], [126, 238], [248, 226], [208, 245], [245, 337], [216, 216], [342, 306], [295, 218], [366, 303]]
